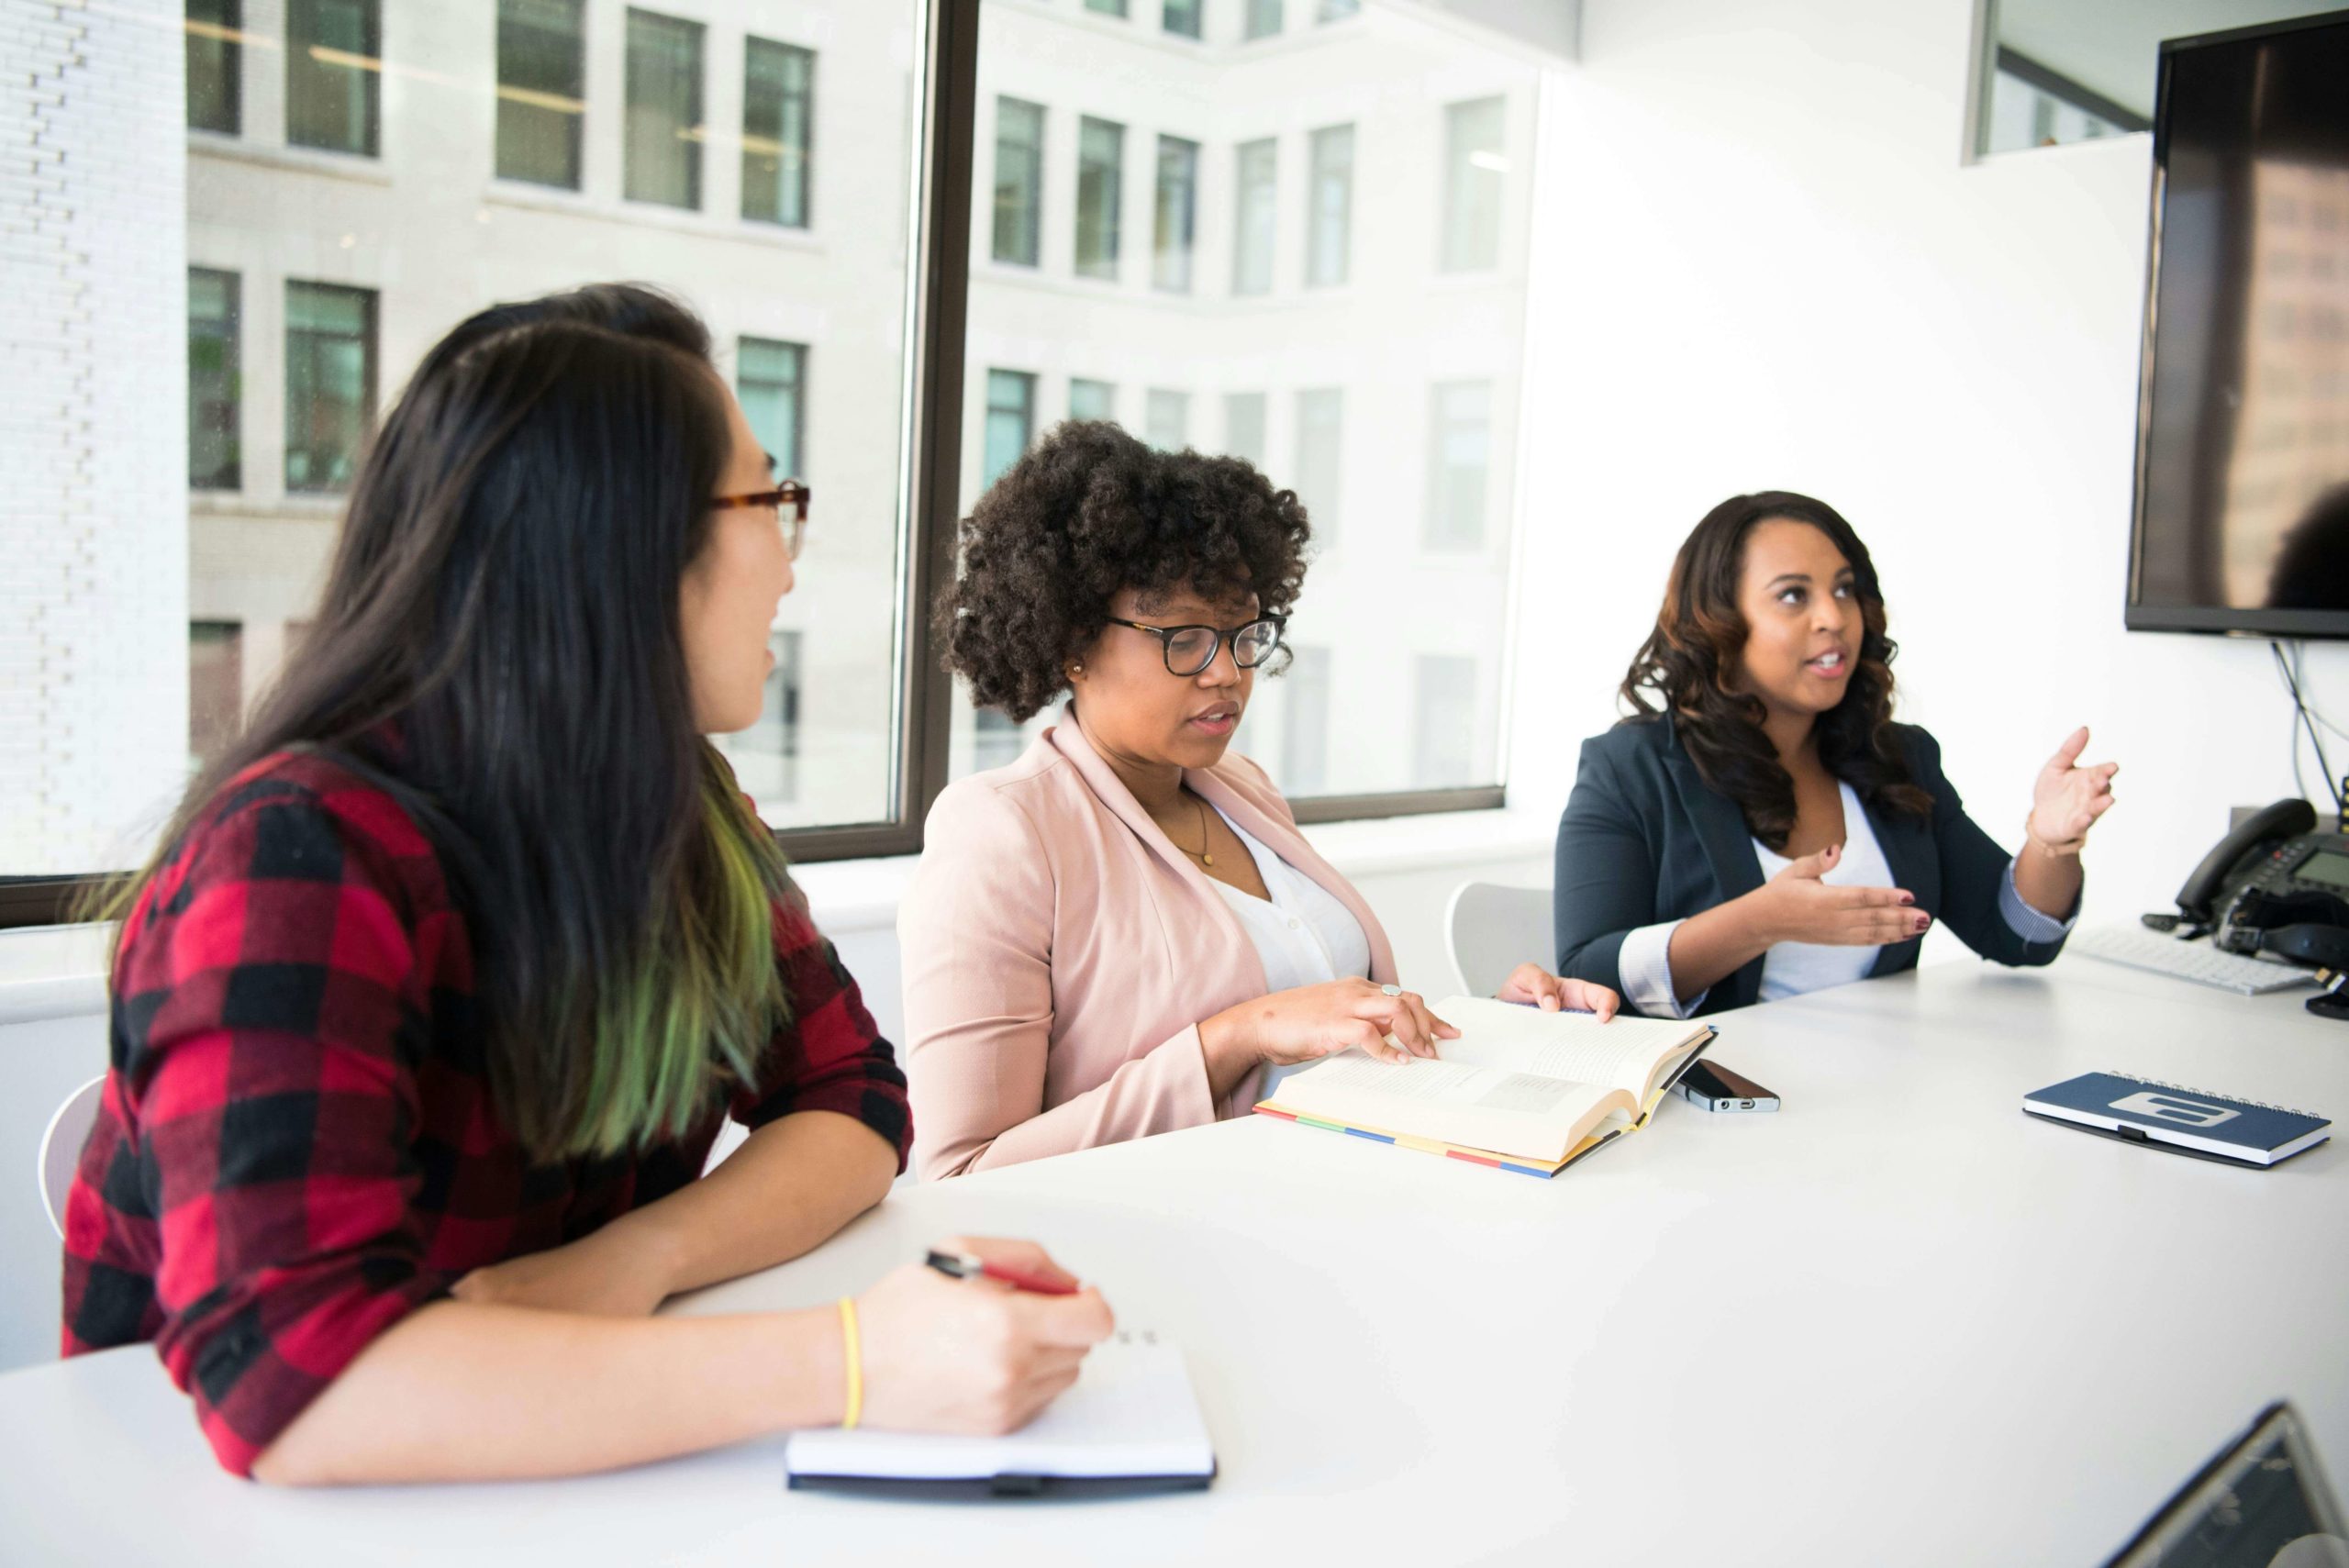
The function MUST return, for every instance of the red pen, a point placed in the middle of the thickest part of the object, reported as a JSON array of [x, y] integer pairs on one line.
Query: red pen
[[969, 1266]]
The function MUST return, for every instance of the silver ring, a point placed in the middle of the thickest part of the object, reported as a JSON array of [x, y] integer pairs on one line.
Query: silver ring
[[1391, 990]]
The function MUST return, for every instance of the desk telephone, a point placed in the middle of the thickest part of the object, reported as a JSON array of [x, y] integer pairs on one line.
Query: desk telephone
[[2279, 885]]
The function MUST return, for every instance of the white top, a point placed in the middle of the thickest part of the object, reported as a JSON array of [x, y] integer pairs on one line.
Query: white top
[[1789, 969], [1303, 934], [1369, 1329]]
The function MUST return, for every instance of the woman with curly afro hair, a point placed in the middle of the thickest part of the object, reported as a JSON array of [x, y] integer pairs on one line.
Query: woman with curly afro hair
[[1767, 829], [1123, 932]]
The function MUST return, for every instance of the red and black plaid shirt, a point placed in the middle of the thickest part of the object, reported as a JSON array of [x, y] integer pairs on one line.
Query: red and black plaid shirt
[[297, 1146]]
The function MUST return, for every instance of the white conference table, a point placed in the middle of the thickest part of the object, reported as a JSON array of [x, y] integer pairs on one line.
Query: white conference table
[[1900, 1322]]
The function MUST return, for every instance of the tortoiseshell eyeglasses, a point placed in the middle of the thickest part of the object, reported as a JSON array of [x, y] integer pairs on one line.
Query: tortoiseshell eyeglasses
[[789, 500]]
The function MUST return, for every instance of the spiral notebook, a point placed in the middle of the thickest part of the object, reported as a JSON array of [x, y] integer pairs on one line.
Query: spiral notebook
[[2184, 1120], [1129, 1425]]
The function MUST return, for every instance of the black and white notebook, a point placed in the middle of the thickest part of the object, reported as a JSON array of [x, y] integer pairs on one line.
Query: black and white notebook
[[1130, 1424]]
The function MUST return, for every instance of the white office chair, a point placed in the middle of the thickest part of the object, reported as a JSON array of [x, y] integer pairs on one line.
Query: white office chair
[[60, 1148], [1492, 928]]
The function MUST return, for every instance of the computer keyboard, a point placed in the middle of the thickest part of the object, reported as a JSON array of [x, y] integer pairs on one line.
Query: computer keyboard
[[2197, 961]]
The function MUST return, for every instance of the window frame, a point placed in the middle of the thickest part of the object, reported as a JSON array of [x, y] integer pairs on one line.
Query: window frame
[[923, 698]]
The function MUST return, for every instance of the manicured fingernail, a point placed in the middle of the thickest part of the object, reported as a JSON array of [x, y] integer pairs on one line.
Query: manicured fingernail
[[1908, 899], [1921, 922]]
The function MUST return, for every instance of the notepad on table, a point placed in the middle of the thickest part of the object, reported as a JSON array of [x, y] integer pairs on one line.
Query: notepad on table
[[1520, 1089], [2186, 1121], [1130, 1424]]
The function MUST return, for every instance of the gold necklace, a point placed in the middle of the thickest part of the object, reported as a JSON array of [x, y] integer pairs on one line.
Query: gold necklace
[[1201, 854]]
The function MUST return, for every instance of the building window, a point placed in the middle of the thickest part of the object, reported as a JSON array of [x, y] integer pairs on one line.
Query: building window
[[1264, 18], [1182, 18], [215, 687], [662, 155], [1011, 421], [1107, 8], [333, 74], [1305, 723], [1476, 169], [771, 379], [542, 90], [765, 757], [1330, 227], [1167, 419], [1100, 192], [1243, 426], [1444, 730], [329, 382], [1091, 399], [1255, 216], [1178, 201], [996, 740], [1018, 181], [778, 124], [215, 389], [1460, 425], [1320, 423], [1336, 10], [216, 65]]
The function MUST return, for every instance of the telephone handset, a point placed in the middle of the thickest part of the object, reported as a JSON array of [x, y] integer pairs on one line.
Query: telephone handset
[[2232, 864]]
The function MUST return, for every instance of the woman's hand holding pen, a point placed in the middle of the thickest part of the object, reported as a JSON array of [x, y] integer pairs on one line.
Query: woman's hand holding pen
[[1312, 1021], [973, 1355]]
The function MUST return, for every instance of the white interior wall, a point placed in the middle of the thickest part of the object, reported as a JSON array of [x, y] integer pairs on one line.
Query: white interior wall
[[1761, 263]]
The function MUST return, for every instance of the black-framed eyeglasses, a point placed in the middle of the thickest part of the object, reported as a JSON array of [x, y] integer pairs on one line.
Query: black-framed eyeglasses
[[1191, 648], [789, 500]]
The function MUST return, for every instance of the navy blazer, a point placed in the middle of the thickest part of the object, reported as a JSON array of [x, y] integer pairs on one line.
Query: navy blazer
[[1645, 839]]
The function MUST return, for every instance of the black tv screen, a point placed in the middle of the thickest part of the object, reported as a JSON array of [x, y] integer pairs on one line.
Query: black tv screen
[[2242, 516]]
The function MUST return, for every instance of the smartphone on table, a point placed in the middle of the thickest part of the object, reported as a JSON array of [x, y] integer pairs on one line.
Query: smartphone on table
[[1718, 1088]]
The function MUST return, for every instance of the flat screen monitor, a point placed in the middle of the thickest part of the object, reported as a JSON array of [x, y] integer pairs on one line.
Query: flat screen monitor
[[2242, 512]]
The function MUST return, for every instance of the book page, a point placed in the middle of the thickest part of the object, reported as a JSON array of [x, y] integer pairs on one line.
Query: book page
[[1623, 1053], [1451, 1102], [1131, 1412]]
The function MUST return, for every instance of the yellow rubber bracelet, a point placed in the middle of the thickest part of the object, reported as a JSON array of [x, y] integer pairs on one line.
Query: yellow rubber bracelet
[[853, 1354]]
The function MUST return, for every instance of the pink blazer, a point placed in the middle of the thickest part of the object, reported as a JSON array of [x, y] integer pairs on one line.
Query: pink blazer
[[1060, 952]]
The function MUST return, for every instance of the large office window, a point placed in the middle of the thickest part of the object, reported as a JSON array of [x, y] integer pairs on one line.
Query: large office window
[[771, 379], [1476, 173], [1011, 421], [1243, 426], [1182, 16], [1459, 441], [1177, 214], [778, 131], [1091, 399], [1336, 10], [542, 90], [1167, 419], [1330, 225], [215, 687], [1445, 733], [1305, 723], [329, 382], [1107, 8], [334, 75], [216, 65], [1100, 193], [1264, 18], [661, 149], [215, 389], [1018, 181], [1256, 215], [1320, 457]]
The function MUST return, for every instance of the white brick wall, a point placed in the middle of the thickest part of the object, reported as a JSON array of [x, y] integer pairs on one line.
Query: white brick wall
[[92, 430]]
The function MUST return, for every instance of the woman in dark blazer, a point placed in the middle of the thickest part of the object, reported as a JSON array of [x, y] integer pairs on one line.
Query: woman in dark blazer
[[1766, 828]]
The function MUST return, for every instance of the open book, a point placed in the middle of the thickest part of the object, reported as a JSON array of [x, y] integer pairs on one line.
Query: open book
[[1521, 1089]]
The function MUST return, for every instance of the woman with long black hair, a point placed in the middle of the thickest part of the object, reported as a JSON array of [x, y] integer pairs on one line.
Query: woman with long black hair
[[1760, 827], [427, 1015]]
